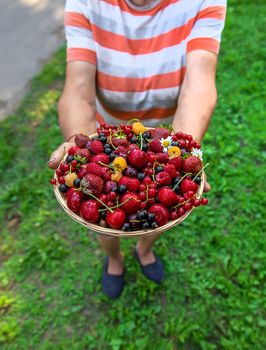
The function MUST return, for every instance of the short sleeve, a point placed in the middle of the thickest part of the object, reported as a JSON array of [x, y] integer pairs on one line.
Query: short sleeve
[[80, 42], [207, 30]]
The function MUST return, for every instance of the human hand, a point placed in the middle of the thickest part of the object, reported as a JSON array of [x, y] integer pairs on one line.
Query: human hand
[[57, 156], [207, 186]]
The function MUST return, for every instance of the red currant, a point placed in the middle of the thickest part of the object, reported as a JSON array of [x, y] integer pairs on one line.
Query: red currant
[[112, 196], [142, 196], [174, 215], [53, 181], [204, 201], [142, 187], [196, 203], [187, 206], [143, 205], [152, 192], [61, 180]]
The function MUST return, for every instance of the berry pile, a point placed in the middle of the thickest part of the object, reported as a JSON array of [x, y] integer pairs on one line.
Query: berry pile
[[131, 178]]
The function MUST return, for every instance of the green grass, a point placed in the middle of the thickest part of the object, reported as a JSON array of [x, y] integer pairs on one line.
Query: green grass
[[214, 296]]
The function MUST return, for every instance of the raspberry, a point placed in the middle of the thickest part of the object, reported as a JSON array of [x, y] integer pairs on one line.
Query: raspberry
[[94, 168], [156, 146], [96, 147]]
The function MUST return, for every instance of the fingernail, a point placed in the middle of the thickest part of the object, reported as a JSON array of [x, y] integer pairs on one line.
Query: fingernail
[[51, 160]]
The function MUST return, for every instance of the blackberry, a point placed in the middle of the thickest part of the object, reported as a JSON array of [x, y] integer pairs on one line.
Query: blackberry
[[77, 182], [69, 159], [63, 188]]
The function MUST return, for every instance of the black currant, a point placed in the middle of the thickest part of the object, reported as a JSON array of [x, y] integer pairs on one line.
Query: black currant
[[151, 217], [145, 147], [175, 143], [146, 135], [142, 214], [176, 189], [108, 151], [112, 156], [63, 188], [77, 182], [103, 214], [103, 138], [121, 189], [158, 169], [69, 159], [126, 227], [145, 225], [134, 139], [176, 180], [198, 180], [154, 225], [141, 176]]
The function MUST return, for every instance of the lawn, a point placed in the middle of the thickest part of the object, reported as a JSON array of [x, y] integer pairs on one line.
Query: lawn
[[214, 296]]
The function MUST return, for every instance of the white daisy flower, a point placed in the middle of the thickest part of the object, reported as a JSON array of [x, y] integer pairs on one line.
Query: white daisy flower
[[166, 143], [197, 153]]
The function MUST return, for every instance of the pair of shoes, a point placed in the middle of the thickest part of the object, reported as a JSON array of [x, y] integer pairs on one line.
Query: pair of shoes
[[154, 271], [112, 285]]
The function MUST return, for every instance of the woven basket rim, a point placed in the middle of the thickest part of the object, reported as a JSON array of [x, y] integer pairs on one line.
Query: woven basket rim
[[120, 233]]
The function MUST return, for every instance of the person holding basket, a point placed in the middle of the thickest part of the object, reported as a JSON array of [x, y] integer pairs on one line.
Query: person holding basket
[[154, 60]]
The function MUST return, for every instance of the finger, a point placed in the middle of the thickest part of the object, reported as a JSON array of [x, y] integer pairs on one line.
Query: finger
[[58, 155], [207, 186]]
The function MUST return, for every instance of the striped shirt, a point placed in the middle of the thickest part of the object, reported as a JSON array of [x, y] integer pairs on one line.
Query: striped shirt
[[140, 52]]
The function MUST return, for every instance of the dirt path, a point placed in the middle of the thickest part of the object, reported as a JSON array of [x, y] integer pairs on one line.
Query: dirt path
[[31, 31]]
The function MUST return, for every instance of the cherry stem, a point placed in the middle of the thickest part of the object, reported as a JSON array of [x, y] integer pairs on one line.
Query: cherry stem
[[141, 140], [132, 120], [102, 203], [205, 166], [187, 174], [106, 165]]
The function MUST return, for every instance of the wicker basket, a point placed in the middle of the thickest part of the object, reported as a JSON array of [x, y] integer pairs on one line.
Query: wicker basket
[[119, 233]]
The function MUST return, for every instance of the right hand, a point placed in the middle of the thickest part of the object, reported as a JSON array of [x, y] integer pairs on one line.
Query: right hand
[[57, 156]]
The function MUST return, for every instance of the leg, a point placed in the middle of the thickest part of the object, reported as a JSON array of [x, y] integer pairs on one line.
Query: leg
[[111, 245], [144, 249]]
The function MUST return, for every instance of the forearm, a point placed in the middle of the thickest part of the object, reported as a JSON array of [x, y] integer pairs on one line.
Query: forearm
[[195, 108], [76, 116]]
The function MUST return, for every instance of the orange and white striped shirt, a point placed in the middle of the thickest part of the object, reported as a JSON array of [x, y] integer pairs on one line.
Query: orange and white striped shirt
[[140, 52]]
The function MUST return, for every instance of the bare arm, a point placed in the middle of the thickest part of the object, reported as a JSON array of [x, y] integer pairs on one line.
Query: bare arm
[[198, 94], [76, 106]]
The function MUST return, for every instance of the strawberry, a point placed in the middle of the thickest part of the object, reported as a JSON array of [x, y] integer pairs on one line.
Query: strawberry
[[163, 178], [132, 184], [89, 211], [94, 168], [192, 165], [106, 175], [132, 202], [188, 185], [91, 184], [170, 169], [101, 157], [73, 150], [177, 161], [156, 146], [116, 219], [161, 214], [137, 158], [96, 146], [119, 141], [83, 154], [81, 140], [74, 200], [159, 133], [167, 197], [162, 158]]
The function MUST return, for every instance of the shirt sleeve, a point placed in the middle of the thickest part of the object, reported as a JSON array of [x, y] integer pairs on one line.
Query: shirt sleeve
[[80, 42], [209, 24]]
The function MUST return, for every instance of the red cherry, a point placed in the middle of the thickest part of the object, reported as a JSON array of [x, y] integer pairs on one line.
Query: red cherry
[[163, 178], [161, 214], [89, 211], [188, 185], [167, 197], [116, 219], [74, 200], [73, 150], [131, 202], [137, 158]]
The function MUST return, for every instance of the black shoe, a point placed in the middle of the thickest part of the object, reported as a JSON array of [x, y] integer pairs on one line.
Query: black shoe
[[112, 285], [154, 271]]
